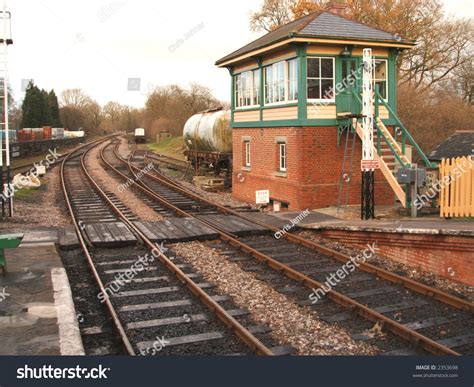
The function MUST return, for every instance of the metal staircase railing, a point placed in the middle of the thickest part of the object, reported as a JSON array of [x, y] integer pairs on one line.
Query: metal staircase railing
[[405, 133], [388, 173]]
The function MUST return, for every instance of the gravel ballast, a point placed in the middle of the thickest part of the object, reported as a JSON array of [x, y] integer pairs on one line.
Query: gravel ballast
[[127, 196], [295, 325]]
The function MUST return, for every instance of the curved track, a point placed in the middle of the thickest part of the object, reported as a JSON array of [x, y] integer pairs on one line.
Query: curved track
[[163, 307], [409, 309]]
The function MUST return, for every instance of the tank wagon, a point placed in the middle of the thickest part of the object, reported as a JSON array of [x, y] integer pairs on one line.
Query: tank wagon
[[139, 136], [208, 140]]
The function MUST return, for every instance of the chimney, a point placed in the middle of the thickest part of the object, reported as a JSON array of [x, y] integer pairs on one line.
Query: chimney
[[337, 7]]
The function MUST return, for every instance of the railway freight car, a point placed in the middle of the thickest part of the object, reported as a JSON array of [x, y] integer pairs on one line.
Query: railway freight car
[[208, 140], [139, 136]]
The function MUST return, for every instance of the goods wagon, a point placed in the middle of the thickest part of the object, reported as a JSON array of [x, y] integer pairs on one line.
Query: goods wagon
[[208, 139]]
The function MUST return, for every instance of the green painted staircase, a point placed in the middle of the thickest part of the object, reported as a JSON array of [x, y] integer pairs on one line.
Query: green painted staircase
[[390, 152]]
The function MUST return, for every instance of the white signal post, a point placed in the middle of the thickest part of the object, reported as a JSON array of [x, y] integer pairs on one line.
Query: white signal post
[[368, 160], [368, 163]]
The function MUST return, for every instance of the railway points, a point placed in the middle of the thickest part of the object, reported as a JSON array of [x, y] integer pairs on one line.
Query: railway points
[[299, 221]]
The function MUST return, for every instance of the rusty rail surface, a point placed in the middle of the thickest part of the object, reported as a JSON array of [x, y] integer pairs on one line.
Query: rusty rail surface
[[243, 333], [118, 325], [395, 327], [367, 267]]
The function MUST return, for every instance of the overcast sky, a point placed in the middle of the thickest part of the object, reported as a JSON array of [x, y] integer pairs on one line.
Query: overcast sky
[[107, 47]]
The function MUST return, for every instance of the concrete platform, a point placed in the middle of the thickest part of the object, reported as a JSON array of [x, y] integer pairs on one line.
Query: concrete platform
[[37, 315]]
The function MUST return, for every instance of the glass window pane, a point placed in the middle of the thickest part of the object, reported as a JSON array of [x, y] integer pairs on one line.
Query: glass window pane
[[268, 84], [279, 82], [256, 87], [326, 68], [292, 80], [327, 90], [380, 69], [238, 88], [382, 88], [313, 67], [313, 88]]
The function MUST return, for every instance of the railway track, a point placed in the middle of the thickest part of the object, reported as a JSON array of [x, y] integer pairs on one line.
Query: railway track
[[155, 301], [170, 162], [428, 319]]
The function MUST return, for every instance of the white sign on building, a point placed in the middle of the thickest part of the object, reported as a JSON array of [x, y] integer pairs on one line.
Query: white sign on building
[[262, 196]]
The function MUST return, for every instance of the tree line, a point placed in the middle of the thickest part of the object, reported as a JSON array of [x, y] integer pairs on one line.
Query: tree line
[[40, 108], [435, 78], [166, 110]]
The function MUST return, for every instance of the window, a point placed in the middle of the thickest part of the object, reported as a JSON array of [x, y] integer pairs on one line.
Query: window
[[256, 87], [268, 84], [247, 153], [380, 77], [292, 80], [247, 88], [320, 75], [282, 156], [281, 82]]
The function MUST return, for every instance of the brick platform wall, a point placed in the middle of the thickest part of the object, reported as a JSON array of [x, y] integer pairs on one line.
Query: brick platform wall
[[443, 255], [314, 166]]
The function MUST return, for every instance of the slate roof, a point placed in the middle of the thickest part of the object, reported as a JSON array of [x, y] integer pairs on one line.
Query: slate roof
[[320, 24], [461, 143]]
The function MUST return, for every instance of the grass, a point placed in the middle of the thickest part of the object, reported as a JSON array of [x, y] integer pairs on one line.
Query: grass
[[172, 147], [27, 195]]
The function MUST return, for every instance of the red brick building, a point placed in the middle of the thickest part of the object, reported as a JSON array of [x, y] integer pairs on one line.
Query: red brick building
[[296, 97]]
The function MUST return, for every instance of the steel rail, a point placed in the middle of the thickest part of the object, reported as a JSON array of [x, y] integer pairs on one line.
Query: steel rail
[[117, 323], [367, 267], [243, 333], [180, 164], [365, 312]]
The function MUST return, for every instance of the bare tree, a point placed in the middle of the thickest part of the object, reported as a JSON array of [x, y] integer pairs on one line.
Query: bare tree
[[112, 111], [443, 45], [94, 115], [169, 107], [74, 98], [273, 14]]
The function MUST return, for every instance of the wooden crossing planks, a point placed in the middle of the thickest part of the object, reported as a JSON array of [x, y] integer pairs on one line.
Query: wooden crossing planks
[[109, 234], [170, 230], [176, 230]]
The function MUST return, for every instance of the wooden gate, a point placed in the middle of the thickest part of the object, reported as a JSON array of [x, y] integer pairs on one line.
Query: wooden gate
[[456, 183]]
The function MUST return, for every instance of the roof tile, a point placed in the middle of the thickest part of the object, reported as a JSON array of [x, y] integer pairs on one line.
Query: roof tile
[[321, 24]]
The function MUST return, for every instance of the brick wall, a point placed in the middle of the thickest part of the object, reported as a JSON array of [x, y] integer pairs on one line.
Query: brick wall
[[443, 255], [314, 166]]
